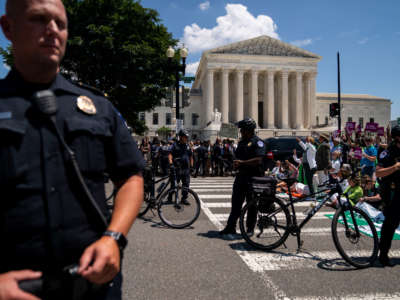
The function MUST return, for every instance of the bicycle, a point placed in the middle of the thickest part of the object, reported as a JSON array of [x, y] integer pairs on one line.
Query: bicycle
[[269, 221], [173, 210]]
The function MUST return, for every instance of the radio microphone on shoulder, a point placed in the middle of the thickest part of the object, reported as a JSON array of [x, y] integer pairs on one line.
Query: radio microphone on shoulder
[[46, 102]]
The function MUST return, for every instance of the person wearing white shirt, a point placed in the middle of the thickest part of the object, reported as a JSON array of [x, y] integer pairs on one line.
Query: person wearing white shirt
[[308, 160]]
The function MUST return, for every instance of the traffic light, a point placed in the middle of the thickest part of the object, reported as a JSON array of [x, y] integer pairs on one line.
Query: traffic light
[[334, 109], [186, 96]]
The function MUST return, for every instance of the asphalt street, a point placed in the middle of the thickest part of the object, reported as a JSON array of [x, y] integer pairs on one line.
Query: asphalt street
[[195, 263]]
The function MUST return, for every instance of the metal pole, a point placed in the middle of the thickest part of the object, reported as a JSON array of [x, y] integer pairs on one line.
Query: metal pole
[[338, 72], [177, 94]]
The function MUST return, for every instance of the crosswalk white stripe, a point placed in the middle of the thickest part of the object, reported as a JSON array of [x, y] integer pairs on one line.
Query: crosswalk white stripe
[[380, 296], [272, 261], [317, 216], [207, 190], [216, 186], [227, 197], [228, 204]]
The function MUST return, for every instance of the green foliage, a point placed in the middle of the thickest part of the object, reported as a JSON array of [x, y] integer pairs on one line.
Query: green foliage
[[163, 132], [7, 55], [119, 47]]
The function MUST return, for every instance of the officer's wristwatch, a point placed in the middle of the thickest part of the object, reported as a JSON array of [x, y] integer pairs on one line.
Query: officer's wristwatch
[[118, 237]]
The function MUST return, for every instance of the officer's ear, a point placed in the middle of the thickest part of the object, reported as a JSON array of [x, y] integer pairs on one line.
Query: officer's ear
[[6, 25]]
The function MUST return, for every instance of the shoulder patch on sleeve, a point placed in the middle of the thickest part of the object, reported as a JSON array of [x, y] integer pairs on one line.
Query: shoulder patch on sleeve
[[383, 154], [260, 144]]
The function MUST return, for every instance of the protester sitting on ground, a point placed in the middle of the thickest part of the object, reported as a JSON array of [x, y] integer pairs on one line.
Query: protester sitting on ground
[[277, 169], [342, 176], [354, 192], [371, 193]]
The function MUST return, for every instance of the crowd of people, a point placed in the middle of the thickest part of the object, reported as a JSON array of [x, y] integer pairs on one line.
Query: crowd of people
[[349, 157], [209, 159], [353, 159]]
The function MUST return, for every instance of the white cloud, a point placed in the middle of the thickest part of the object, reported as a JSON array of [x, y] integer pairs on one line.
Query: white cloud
[[238, 24], [204, 5], [192, 68], [363, 41], [302, 43], [6, 66]]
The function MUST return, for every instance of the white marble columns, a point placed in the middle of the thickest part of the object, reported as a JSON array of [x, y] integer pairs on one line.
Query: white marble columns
[[210, 95], [225, 96], [295, 100], [285, 101], [253, 111], [299, 101], [239, 95]]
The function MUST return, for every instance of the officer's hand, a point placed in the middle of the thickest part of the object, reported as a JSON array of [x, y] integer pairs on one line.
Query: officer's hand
[[236, 163], [9, 285], [100, 262], [397, 166]]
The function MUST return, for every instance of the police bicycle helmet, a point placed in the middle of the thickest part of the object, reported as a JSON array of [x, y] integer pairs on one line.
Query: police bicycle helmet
[[247, 124], [183, 132], [395, 131]]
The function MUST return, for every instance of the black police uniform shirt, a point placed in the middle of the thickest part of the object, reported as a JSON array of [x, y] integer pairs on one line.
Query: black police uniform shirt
[[44, 219], [182, 151], [386, 159], [248, 149]]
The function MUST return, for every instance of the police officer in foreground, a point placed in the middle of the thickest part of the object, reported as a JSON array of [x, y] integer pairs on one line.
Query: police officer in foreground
[[249, 162], [181, 157], [388, 170], [47, 222]]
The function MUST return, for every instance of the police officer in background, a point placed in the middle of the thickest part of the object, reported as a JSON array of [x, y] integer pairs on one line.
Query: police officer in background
[[181, 156], [388, 170], [249, 162], [46, 221]]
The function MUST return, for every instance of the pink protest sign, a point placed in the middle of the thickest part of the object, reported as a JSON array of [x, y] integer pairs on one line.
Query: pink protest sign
[[371, 127], [350, 127], [336, 133], [381, 131], [357, 153]]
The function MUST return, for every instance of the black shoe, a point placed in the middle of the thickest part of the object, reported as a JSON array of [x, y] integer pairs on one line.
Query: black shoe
[[227, 230], [385, 261], [185, 202], [250, 232]]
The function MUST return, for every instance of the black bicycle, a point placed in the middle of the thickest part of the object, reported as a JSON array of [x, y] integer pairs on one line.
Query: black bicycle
[[266, 222], [177, 206]]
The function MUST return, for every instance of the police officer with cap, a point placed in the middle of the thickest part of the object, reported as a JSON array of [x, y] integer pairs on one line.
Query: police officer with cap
[[181, 156], [388, 170], [48, 220], [249, 162]]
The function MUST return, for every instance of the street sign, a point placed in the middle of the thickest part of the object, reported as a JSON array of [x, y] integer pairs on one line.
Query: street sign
[[228, 130], [188, 79], [179, 125]]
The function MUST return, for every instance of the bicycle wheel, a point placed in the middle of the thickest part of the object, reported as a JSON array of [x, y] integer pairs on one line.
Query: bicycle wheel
[[146, 204], [263, 227], [179, 215], [359, 250]]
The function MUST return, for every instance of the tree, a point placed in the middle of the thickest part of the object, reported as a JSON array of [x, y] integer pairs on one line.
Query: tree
[[118, 47], [163, 132]]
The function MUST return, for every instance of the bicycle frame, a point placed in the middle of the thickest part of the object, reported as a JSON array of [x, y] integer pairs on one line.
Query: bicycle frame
[[295, 228], [154, 181]]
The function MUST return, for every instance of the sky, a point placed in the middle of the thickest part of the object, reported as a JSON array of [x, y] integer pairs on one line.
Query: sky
[[365, 32]]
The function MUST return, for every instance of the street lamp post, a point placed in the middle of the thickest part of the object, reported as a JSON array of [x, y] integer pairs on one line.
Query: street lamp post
[[177, 69]]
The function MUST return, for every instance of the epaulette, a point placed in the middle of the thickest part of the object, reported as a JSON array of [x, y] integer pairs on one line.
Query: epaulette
[[94, 90]]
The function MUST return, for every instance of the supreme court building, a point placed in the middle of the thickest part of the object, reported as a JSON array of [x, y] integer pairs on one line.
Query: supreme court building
[[270, 81]]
